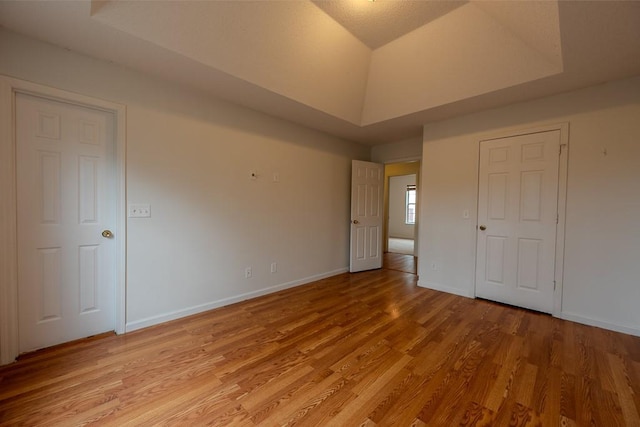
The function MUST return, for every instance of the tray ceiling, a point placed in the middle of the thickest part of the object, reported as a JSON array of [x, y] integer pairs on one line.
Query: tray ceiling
[[373, 72]]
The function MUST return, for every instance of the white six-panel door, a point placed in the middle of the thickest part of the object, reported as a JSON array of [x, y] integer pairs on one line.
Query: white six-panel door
[[66, 199], [367, 182], [517, 220]]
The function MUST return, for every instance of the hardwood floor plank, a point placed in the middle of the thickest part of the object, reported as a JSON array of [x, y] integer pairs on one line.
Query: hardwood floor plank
[[568, 397], [607, 408], [624, 390], [464, 371], [509, 363], [633, 370], [287, 402], [332, 386], [204, 394], [524, 385], [547, 396], [365, 402], [264, 394], [367, 349], [477, 416]]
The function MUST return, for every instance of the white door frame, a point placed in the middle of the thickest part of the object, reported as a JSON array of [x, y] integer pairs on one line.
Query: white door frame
[[9, 340], [563, 168]]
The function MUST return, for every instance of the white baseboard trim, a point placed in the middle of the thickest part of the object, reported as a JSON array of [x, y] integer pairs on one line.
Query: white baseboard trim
[[573, 317], [166, 317], [599, 323], [445, 288]]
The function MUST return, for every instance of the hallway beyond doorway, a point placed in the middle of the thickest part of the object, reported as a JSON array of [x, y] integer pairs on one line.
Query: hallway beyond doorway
[[400, 262], [401, 246]]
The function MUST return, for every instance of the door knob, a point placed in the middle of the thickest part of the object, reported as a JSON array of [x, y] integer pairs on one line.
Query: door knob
[[107, 233], [482, 227], [355, 221]]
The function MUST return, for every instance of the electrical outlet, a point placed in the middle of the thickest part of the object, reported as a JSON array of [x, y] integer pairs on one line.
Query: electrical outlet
[[274, 267], [139, 211], [248, 273]]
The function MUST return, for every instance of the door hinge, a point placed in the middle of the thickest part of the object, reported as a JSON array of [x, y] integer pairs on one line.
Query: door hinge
[[557, 218], [554, 285]]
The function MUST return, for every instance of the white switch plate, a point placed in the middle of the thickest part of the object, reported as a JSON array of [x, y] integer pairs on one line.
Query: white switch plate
[[140, 211]]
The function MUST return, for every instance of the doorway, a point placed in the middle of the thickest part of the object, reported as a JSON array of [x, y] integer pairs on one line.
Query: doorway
[[402, 214], [401, 208]]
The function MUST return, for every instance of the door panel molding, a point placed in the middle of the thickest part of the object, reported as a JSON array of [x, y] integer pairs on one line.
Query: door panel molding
[[9, 87], [563, 128]]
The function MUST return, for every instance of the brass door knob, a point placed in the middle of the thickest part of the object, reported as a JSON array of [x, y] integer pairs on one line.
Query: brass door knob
[[107, 233], [482, 227], [355, 221]]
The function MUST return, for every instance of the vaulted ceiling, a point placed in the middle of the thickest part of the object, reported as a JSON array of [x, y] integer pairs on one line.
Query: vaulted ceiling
[[373, 72]]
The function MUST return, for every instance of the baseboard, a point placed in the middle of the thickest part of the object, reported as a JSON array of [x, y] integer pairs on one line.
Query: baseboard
[[625, 329], [599, 323], [166, 317], [445, 288]]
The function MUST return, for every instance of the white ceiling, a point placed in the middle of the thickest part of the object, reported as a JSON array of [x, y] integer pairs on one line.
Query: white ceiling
[[373, 72], [380, 22]]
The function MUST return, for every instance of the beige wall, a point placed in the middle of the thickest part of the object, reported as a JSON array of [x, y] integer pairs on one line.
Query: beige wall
[[601, 268], [397, 151], [189, 157]]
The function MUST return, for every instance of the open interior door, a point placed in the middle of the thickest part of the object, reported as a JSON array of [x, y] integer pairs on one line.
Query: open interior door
[[367, 182]]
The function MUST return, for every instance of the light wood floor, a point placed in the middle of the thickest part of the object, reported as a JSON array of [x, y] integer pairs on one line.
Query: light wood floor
[[363, 349]]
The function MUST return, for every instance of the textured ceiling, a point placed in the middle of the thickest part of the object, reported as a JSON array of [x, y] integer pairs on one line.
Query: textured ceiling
[[373, 72], [376, 23]]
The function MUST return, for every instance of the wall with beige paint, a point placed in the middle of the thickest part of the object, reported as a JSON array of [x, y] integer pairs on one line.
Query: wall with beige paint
[[397, 151], [189, 157], [602, 238]]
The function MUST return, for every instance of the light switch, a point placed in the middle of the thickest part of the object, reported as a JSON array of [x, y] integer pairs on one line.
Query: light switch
[[140, 211]]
